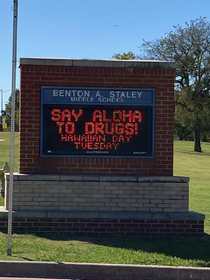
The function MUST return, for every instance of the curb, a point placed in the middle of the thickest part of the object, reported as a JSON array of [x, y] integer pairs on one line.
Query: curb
[[101, 271]]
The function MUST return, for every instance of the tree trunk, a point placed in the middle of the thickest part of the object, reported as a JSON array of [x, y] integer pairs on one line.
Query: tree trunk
[[197, 142]]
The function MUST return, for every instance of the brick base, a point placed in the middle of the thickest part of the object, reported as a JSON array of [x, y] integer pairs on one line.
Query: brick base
[[179, 227], [102, 205], [97, 193]]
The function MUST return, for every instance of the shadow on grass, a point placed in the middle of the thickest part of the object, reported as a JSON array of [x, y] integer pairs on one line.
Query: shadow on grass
[[203, 153], [184, 248]]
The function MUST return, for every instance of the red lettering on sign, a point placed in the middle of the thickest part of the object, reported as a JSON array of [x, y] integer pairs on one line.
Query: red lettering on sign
[[104, 131]]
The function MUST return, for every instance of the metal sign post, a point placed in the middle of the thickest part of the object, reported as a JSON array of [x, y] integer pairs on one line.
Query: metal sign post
[[14, 58]]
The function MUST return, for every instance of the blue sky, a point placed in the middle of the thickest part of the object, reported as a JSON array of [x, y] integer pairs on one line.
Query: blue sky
[[87, 28]]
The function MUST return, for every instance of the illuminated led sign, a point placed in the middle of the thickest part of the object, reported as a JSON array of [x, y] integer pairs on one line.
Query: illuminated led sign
[[99, 122]]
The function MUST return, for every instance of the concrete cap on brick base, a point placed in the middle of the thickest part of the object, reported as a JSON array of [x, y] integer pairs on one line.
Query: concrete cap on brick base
[[99, 63]]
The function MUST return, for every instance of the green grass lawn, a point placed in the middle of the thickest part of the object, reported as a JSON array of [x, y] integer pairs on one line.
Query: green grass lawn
[[5, 149], [5, 152], [197, 167], [125, 250], [114, 249]]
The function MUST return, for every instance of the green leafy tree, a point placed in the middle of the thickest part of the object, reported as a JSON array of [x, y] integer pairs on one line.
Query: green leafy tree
[[124, 56], [205, 133], [183, 122], [8, 111], [189, 46]]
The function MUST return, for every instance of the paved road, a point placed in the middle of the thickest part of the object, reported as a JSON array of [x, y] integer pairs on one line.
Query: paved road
[[32, 278]]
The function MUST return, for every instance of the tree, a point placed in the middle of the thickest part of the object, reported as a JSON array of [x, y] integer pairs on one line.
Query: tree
[[183, 123], [8, 110], [189, 46], [124, 56]]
